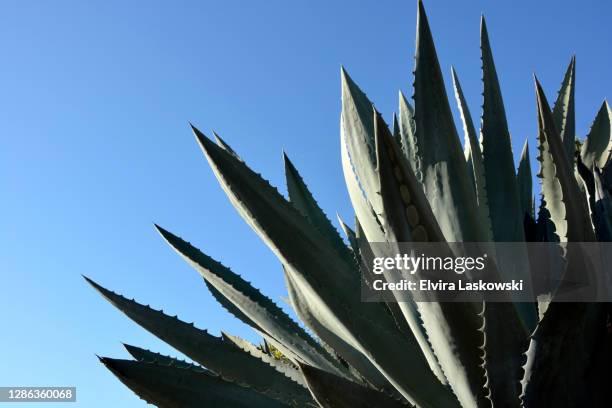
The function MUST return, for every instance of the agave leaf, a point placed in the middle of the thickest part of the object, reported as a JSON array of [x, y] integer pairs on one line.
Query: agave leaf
[[282, 366], [222, 144], [310, 313], [350, 235], [525, 182], [358, 161], [580, 326], [545, 232], [407, 216], [588, 180], [302, 199], [168, 386], [317, 315], [396, 130], [602, 210], [230, 307], [559, 186], [147, 356], [441, 164], [502, 191], [586, 183], [209, 351], [331, 391], [366, 326], [474, 158], [602, 222], [564, 115], [505, 343], [598, 143], [504, 333], [458, 353], [501, 184], [267, 316], [393, 307], [407, 128], [403, 213], [530, 225], [561, 354]]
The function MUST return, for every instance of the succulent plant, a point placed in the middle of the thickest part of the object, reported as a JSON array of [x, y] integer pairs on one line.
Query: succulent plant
[[413, 182]]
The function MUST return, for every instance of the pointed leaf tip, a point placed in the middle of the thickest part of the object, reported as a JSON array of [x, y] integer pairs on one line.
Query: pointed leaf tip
[[206, 144], [103, 291], [542, 102]]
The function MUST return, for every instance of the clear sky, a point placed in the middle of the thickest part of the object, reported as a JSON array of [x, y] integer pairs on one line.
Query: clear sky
[[95, 99]]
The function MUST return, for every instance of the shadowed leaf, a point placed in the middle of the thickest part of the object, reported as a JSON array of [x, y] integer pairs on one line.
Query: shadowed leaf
[[331, 391], [596, 147], [147, 356], [169, 387], [563, 113], [525, 182], [209, 351], [580, 324], [559, 187]]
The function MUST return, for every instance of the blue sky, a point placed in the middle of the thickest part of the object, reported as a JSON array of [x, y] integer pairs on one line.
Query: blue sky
[[95, 99]]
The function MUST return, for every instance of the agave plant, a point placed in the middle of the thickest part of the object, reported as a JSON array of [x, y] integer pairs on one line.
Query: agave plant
[[413, 182]]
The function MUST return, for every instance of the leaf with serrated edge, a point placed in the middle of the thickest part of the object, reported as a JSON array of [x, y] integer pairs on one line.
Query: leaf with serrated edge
[[284, 367], [564, 115], [473, 156], [229, 306], [350, 235], [148, 356], [357, 150], [168, 386], [559, 187], [500, 176], [442, 169], [366, 326], [222, 144], [553, 376], [303, 200], [266, 314], [407, 128], [598, 143], [393, 307], [506, 218], [209, 351], [578, 324], [310, 314], [458, 354]]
